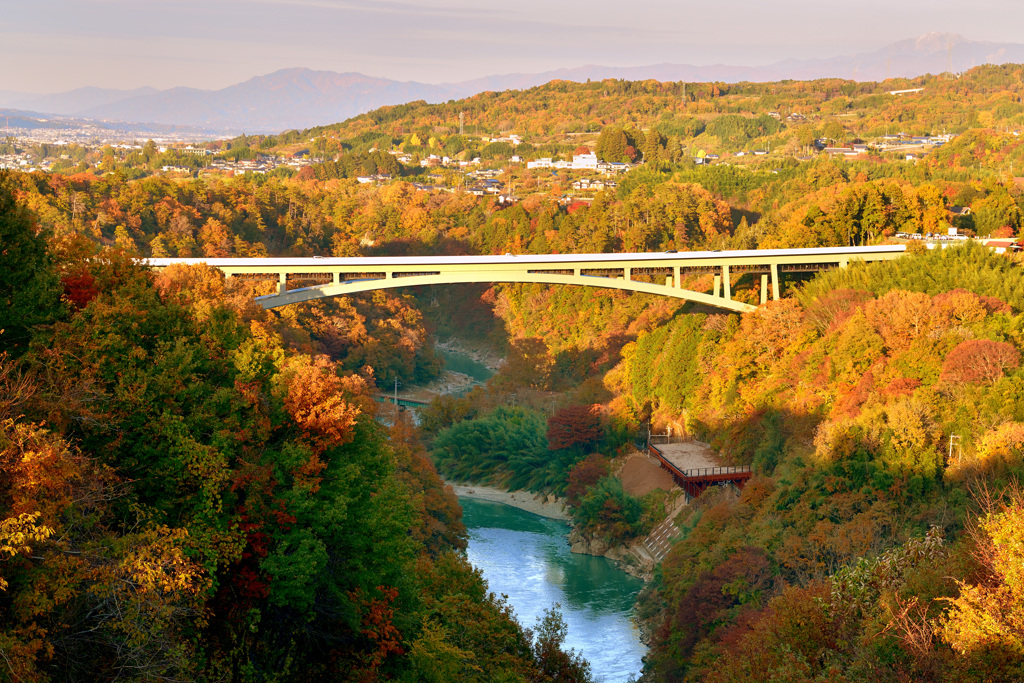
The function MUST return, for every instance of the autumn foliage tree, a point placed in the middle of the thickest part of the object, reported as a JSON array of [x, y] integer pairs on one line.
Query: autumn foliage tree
[[978, 361], [983, 623], [584, 475], [574, 426], [607, 511]]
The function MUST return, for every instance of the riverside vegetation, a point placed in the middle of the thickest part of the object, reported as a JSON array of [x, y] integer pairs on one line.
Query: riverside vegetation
[[196, 487]]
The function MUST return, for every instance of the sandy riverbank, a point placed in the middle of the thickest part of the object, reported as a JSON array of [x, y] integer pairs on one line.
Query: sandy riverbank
[[524, 500]]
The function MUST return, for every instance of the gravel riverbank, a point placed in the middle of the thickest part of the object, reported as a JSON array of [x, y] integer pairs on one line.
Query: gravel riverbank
[[549, 506]]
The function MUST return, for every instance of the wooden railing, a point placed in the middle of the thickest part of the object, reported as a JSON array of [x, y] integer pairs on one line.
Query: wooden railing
[[713, 471], [665, 439]]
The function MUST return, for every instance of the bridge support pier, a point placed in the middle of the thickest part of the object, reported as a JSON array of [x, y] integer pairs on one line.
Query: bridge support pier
[[764, 288], [675, 275], [775, 282], [282, 283], [718, 287], [727, 281]]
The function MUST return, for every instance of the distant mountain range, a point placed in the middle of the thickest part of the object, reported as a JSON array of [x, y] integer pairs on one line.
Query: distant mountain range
[[302, 98]]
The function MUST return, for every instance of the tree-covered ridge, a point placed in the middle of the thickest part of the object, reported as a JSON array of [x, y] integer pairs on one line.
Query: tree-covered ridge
[[881, 403], [192, 490], [713, 116]]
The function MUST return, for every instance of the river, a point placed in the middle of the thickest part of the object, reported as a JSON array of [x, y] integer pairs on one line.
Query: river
[[527, 558], [460, 362]]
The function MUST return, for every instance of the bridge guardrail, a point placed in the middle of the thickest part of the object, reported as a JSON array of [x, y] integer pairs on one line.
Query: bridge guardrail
[[406, 402]]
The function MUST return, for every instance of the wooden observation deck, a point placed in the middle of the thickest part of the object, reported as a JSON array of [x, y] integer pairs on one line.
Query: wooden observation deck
[[696, 481]]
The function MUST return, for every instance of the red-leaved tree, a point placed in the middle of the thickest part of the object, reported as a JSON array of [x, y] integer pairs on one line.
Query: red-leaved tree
[[979, 361], [584, 475], [574, 425], [79, 288]]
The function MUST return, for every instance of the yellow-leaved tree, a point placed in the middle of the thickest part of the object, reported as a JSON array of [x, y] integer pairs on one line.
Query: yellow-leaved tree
[[17, 534], [986, 622]]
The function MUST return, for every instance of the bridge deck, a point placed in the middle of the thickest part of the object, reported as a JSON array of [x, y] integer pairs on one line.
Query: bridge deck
[[302, 279]]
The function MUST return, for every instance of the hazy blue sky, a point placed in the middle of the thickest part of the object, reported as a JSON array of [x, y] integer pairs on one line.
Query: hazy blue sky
[[56, 45]]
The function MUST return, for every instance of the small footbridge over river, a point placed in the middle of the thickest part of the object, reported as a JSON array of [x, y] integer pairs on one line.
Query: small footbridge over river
[[304, 279]]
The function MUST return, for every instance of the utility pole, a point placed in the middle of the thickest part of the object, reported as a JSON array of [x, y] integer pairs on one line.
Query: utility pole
[[954, 440]]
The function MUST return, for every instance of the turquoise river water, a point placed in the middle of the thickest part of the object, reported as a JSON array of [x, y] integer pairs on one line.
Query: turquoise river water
[[527, 558], [460, 362]]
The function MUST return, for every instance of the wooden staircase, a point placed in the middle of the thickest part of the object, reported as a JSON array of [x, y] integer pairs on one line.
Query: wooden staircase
[[659, 541]]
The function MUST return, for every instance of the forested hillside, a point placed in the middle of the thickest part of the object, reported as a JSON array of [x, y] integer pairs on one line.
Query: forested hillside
[[193, 490], [882, 410], [668, 120]]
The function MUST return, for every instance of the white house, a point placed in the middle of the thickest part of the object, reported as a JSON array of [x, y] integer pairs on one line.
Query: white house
[[584, 161]]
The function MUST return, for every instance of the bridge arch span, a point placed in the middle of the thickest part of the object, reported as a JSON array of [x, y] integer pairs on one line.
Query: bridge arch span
[[354, 286], [305, 279]]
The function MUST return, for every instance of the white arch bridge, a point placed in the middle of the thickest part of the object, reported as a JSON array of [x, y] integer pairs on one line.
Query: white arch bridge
[[302, 279]]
